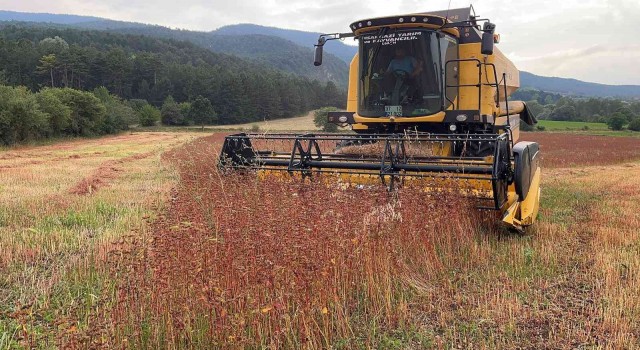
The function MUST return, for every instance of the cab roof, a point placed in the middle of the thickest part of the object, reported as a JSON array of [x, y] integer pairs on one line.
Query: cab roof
[[449, 21]]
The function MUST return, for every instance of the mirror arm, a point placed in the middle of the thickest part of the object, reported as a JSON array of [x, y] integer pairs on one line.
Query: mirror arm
[[334, 36], [323, 40]]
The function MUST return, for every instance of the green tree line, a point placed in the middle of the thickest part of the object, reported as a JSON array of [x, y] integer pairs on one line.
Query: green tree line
[[138, 67], [614, 112], [64, 112], [60, 112]]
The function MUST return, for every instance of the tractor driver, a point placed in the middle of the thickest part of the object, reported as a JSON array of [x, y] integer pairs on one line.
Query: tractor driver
[[402, 62], [402, 66]]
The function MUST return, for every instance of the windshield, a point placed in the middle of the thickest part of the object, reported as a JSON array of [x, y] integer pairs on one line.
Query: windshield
[[401, 72]]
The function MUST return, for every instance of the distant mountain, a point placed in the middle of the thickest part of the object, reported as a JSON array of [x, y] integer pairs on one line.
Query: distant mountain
[[282, 54], [306, 39], [575, 87], [45, 17], [87, 22]]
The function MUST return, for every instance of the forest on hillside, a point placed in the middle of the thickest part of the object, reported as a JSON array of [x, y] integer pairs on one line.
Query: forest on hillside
[[273, 51], [153, 69]]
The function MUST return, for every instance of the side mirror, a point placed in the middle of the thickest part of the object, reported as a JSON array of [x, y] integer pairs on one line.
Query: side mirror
[[487, 43], [487, 38], [317, 61]]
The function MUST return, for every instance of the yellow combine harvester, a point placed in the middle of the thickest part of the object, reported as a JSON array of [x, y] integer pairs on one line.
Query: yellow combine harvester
[[428, 98]]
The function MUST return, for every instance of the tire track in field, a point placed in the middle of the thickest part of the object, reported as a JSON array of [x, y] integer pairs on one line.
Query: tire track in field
[[105, 174]]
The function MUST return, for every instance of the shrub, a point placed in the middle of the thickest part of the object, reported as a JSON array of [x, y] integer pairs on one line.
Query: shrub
[[320, 119], [202, 112], [59, 114], [20, 118], [526, 127], [149, 115], [597, 118], [634, 125], [171, 113], [119, 115], [616, 122], [137, 104], [87, 112]]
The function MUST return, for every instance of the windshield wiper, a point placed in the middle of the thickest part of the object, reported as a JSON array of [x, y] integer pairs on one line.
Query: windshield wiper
[[371, 59]]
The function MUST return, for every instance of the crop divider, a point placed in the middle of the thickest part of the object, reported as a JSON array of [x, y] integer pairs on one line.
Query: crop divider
[[394, 153], [305, 150]]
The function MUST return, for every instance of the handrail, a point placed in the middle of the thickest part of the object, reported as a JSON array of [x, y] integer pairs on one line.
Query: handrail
[[480, 84]]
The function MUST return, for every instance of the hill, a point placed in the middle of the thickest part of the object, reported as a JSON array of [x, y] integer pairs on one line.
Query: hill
[[302, 38], [576, 87], [46, 17], [291, 51], [273, 51], [86, 22]]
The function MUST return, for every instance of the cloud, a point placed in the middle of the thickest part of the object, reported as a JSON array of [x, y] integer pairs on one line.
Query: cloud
[[585, 39], [606, 63]]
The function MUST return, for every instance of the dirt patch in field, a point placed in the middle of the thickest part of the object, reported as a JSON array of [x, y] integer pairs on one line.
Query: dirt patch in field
[[570, 150], [21, 165], [106, 172]]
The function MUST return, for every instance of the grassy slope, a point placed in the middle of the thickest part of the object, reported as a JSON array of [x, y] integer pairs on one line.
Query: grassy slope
[[63, 209]]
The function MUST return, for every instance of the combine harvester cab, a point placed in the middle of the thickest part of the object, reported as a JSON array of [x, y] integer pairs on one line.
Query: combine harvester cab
[[428, 99]]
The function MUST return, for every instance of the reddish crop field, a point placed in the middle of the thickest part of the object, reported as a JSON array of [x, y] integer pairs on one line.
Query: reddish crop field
[[235, 261], [571, 150], [242, 262]]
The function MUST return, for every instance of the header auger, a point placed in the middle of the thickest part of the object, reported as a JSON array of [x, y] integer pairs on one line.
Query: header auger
[[428, 98]]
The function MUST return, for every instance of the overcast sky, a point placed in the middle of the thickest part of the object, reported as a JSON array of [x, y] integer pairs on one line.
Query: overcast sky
[[592, 40]]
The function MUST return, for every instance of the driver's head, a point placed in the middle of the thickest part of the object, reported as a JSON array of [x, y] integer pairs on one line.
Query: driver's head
[[400, 52]]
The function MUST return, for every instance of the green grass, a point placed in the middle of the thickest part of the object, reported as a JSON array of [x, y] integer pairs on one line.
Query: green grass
[[554, 125], [584, 128], [561, 203]]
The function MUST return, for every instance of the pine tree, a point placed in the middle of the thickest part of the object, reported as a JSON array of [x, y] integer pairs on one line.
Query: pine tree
[[47, 66]]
